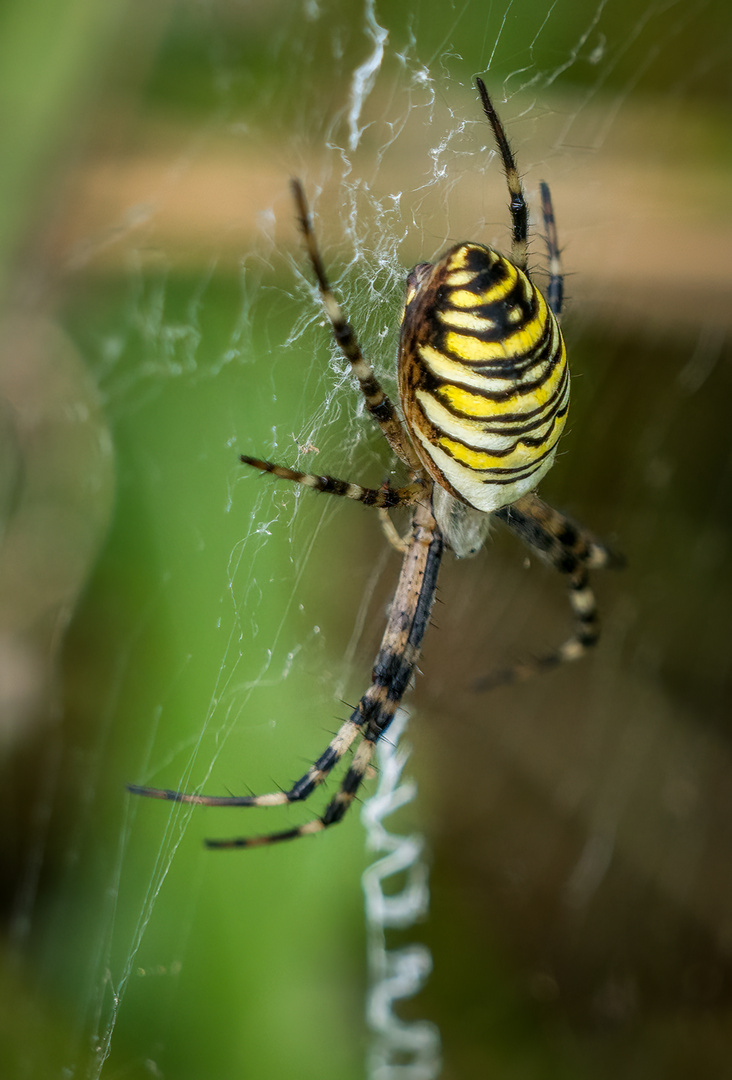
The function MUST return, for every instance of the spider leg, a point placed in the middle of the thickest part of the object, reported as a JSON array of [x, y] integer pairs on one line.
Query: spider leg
[[555, 289], [517, 206], [400, 646], [377, 403], [390, 531], [572, 551], [398, 542], [300, 790], [334, 811], [555, 536], [384, 497]]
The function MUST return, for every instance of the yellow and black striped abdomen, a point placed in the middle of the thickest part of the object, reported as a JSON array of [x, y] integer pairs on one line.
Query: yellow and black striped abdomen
[[483, 376]]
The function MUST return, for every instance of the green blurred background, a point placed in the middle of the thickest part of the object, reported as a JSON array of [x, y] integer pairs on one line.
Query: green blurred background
[[165, 619]]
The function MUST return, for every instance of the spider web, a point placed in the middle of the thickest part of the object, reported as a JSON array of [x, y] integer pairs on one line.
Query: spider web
[[170, 619]]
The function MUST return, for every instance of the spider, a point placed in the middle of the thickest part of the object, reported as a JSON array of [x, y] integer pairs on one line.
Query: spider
[[484, 391]]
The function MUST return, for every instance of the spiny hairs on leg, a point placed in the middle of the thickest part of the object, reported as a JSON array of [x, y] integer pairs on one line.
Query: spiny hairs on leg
[[334, 811], [304, 787], [572, 551], [384, 497], [316, 774]]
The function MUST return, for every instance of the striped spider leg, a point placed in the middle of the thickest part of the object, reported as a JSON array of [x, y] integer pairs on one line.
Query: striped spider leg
[[483, 394], [571, 550]]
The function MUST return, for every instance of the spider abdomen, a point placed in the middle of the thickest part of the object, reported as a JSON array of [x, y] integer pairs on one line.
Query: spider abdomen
[[483, 376]]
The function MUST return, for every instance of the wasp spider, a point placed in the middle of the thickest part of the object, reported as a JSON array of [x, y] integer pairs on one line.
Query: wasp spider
[[483, 390]]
